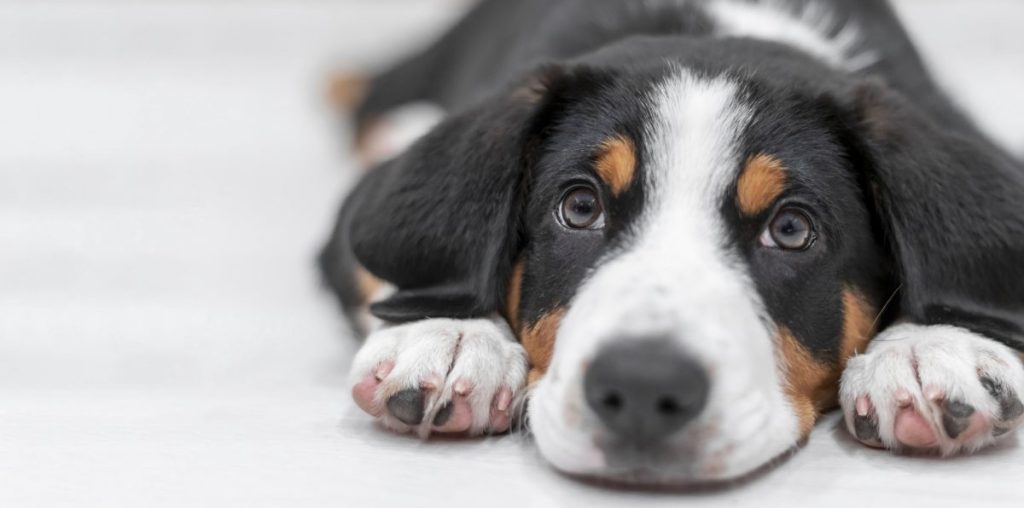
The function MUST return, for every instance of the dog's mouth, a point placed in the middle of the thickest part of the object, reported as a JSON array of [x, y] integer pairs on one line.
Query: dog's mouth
[[646, 477], [682, 467]]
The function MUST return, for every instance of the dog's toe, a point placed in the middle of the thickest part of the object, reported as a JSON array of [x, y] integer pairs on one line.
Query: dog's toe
[[1010, 405], [935, 389], [441, 377], [913, 430], [455, 417]]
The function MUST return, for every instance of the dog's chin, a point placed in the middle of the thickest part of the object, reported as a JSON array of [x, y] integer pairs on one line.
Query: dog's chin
[[674, 471], [652, 478], [702, 458]]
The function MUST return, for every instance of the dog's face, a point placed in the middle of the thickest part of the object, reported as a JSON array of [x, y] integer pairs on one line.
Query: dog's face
[[689, 256], [699, 263]]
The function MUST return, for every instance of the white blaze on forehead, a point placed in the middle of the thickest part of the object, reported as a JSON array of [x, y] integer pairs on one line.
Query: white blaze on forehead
[[694, 150], [676, 278]]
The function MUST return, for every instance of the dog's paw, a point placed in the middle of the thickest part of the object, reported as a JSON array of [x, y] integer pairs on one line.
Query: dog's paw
[[933, 388], [442, 376]]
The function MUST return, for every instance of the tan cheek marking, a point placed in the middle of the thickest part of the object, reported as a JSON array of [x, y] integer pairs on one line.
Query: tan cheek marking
[[811, 386], [858, 325], [539, 342], [514, 294], [616, 165], [763, 180]]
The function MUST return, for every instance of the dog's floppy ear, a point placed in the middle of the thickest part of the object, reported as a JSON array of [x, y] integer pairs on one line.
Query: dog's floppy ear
[[441, 221], [952, 205]]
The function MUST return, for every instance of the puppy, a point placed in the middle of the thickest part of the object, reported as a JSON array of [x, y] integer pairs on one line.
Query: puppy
[[679, 231]]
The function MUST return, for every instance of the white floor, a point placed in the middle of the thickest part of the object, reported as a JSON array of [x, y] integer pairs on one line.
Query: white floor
[[166, 173]]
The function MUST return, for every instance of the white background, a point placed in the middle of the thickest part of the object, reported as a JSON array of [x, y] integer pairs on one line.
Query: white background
[[167, 172]]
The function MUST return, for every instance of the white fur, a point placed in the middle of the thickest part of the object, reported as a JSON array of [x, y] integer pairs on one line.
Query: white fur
[[806, 28], [948, 359], [675, 280], [399, 128], [442, 352]]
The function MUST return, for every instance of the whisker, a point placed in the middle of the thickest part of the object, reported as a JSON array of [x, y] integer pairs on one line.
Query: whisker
[[886, 306]]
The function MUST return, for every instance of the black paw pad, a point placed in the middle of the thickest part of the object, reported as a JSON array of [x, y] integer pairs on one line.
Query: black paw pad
[[1012, 409], [444, 415], [956, 417], [1009, 403], [407, 406], [866, 428]]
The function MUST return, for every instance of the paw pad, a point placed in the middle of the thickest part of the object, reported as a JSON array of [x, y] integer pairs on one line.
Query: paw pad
[[933, 388], [441, 376]]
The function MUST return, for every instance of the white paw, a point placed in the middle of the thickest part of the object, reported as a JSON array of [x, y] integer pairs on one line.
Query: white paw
[[933, 388], [441, 376]]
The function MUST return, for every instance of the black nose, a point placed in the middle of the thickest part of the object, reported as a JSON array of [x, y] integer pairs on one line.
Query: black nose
[[644, 391]]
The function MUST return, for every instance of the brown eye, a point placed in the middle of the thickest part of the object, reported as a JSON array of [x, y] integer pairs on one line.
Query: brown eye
[[581, 209], [791, 229]]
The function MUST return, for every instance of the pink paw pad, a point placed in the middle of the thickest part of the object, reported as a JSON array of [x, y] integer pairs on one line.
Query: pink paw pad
[[913, 430], [365, 391]]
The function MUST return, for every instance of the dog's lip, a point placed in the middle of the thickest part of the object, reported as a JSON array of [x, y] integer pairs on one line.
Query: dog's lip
[[647, 479]]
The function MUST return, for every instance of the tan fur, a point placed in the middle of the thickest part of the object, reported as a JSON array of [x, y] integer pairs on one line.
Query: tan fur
[[812, 386], [616, 164], [763, 180], [513, 295], [368, 284], [858, 325], [347, 91], [539, 342]]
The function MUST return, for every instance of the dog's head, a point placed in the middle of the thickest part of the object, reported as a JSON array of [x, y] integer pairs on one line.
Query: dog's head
[[690, 251]]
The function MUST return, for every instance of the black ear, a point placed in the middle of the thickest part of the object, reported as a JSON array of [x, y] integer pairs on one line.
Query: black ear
[[441, 222], [953, 207]]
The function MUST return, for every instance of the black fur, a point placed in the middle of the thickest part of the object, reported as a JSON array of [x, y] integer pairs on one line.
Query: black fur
[[910, 197]]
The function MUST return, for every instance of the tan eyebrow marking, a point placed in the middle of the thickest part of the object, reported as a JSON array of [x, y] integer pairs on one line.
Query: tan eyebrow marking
[[616, 164], [539, 342], [763, 180]]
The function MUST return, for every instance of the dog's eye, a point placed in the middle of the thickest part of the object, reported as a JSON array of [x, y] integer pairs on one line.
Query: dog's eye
[[791, 229], [581, 209]]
